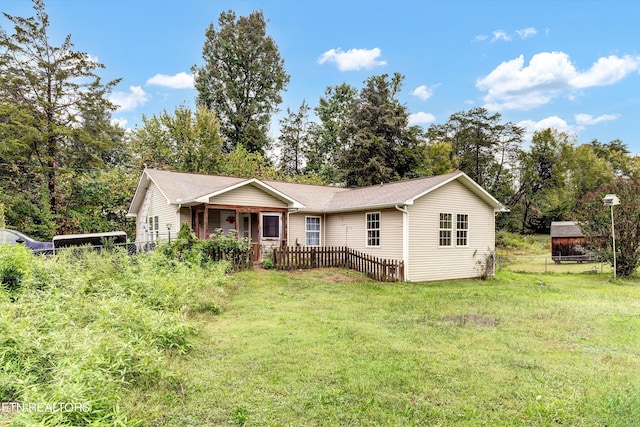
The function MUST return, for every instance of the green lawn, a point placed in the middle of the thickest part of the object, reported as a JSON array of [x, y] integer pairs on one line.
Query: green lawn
[[328, 347]]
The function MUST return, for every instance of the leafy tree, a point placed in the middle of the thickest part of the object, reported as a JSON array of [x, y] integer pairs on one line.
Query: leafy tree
[[378, 143], [241, 79], [47, 93], [99, 200], [246, 164], [185, 141], [325, 141], [595, 220], [587, 171], [543, 174], [294, 140], [617, 154]]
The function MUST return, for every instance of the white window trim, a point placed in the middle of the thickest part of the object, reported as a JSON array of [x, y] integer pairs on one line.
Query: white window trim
[[319, 231], [451, 229], [153, 222], [462, 229], [366, 229]]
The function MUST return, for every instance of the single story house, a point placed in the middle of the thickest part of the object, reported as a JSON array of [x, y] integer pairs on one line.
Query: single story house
[[442, 227], [568, 242]]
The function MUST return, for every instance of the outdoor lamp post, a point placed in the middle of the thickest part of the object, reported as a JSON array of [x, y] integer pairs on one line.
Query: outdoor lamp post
[[169, 230], [612, 200]]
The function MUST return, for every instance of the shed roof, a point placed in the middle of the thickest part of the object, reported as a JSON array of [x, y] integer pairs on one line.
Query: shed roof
[[566, 229]]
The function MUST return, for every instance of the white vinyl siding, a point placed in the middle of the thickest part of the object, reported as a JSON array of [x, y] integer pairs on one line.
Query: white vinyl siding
[[427, 259], [156, 206], [296, 230], [185, 217], [312, 231], [248, 195], [349, 229]]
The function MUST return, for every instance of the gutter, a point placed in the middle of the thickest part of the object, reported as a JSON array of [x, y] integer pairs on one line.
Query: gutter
[[405, 239]]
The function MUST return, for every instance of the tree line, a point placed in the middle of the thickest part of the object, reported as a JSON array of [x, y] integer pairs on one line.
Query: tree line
[[65, 167]]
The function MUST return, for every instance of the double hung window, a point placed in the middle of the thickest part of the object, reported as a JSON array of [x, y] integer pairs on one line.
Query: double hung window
[[373, 229]]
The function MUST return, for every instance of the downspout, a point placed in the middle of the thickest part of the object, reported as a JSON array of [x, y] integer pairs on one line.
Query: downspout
[[323, 229], [405, 239]]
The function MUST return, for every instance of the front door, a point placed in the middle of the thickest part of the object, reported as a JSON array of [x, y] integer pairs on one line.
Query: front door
[[245, 226], [227, 221]]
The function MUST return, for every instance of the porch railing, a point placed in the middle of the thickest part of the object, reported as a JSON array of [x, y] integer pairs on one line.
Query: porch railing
[[301, 257]]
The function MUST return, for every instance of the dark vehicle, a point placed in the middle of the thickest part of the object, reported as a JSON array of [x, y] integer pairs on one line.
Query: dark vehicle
[[13, 237]]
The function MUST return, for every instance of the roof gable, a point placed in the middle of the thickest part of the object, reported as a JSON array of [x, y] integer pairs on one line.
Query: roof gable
[[272, 191]]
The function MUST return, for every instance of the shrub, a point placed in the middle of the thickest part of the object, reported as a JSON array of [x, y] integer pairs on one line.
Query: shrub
[[267, 263], [15, 266]]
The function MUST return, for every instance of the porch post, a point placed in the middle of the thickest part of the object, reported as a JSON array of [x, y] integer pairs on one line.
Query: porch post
[[206, 221]]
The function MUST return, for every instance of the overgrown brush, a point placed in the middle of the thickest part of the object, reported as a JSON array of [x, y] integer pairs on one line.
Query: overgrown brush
[[514, 242], [87, 328], [187, 248]]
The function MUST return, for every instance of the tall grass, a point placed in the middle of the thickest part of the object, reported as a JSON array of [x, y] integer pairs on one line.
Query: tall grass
[[91, 330]]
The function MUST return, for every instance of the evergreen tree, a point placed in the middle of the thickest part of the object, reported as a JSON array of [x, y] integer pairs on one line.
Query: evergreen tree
[[294, 140], [485, 148], [48, 96], [325, 142], [378, 143]]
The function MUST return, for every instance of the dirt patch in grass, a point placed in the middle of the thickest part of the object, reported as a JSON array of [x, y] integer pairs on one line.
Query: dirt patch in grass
[[330, 275], [473, 319]]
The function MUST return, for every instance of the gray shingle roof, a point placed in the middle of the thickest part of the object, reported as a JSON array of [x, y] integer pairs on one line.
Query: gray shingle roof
[[180, 187], [566, 229]]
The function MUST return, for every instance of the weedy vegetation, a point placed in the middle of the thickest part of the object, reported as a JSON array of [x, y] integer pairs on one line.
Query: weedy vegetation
[[152, 340], [98, 329]]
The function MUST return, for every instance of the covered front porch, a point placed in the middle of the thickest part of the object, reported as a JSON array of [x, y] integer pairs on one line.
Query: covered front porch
[[265, 227]]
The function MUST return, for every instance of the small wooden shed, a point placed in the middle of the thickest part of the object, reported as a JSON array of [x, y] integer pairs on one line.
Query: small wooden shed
[[568, 242]]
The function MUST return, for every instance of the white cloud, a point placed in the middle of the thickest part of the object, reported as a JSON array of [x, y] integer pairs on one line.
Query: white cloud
[[119, 122], [500, 35], [129, 101], [423, 92], [553, 122], [481, 37], [526, 32], [421, 118], [512, 85], [588, 119], [353, 59], [607, 71], [181, 80]]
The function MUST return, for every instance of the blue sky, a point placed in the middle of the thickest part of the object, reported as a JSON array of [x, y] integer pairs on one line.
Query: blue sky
[[572, 65]]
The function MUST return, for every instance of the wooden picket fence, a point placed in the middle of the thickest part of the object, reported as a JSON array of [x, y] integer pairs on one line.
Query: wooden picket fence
[[300, 257]]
